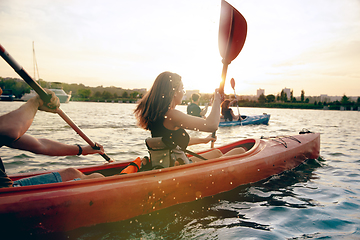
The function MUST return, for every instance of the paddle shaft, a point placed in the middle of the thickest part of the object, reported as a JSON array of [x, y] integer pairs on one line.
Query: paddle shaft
[[46, 98], [232, 81], [221, 90], [232, 35]]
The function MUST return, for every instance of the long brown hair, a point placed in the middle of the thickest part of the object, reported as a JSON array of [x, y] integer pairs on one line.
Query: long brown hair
[[156, 102], [225, 106]]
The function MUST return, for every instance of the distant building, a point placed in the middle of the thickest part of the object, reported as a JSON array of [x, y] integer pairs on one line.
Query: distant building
[[259, 92], [288, 92], [324, 98], [140, 89]]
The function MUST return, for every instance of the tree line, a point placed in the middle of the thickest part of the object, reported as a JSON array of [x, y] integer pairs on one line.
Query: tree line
[[282, 100], [79, 92]]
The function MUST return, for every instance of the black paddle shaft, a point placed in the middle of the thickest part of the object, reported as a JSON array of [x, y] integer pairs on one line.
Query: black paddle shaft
[[46, 97], [22, 73]]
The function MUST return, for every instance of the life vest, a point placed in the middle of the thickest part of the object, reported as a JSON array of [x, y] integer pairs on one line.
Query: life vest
[[133, 167]]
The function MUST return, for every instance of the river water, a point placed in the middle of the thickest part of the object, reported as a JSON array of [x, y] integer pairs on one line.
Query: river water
[[318, 200]]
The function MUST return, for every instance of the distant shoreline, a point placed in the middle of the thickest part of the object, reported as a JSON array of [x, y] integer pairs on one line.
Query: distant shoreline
[[246, 104]]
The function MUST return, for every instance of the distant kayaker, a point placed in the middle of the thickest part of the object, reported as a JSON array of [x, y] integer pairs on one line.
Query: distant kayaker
[[227, 113], [194, 109], [13, 126], [156, 112]]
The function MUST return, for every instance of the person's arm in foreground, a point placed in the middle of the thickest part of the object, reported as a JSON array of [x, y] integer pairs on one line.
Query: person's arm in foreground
[[14, 124]]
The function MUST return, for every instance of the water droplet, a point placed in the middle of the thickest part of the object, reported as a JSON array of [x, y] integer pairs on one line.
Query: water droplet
[[161, 161], [165, 116], [173, 179], [152, 227], [163, 96], [159, 181], [258, 170], [153, 207], [230, 182]]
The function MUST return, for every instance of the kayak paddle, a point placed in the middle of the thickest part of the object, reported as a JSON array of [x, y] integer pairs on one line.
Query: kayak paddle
[[232, 83], [46, 98], [232, 35]]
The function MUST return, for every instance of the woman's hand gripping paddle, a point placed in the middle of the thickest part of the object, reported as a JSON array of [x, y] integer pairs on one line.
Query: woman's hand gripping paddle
[[46, 98], [232, 35]]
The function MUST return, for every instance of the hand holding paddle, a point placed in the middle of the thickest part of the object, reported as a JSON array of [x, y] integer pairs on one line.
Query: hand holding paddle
[[47, 98], [232, 35]]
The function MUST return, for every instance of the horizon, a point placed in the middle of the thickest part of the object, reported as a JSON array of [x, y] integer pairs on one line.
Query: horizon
[[193, 90], [311, 46]]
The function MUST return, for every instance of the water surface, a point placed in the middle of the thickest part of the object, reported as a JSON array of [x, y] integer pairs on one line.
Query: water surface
[[318, 200]]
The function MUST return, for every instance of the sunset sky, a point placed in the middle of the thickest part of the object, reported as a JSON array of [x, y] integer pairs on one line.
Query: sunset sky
[[310, 45]]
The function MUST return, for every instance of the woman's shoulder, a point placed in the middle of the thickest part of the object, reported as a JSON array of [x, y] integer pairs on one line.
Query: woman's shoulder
[[174, 113]]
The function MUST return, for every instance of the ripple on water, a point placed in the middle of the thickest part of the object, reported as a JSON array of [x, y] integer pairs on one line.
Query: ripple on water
[[319, 199]]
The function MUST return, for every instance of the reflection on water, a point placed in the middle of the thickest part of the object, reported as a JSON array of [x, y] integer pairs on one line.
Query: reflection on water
[[319, 199]]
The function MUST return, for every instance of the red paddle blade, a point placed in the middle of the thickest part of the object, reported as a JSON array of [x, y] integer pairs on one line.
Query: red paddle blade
[[232, 82], [232, 32]]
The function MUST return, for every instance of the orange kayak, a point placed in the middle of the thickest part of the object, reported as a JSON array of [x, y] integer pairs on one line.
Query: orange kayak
[[69, 205]]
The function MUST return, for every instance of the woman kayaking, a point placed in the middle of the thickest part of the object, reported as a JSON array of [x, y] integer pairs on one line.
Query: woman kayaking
[[156, 112], [227, 113]]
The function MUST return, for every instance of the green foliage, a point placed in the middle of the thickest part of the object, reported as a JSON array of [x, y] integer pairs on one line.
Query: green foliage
[[270, 98], [79, 92], [18, 87], [107, 95], [84, 93], [283, 96], [302, 95], [262, 98], [345, 100]]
